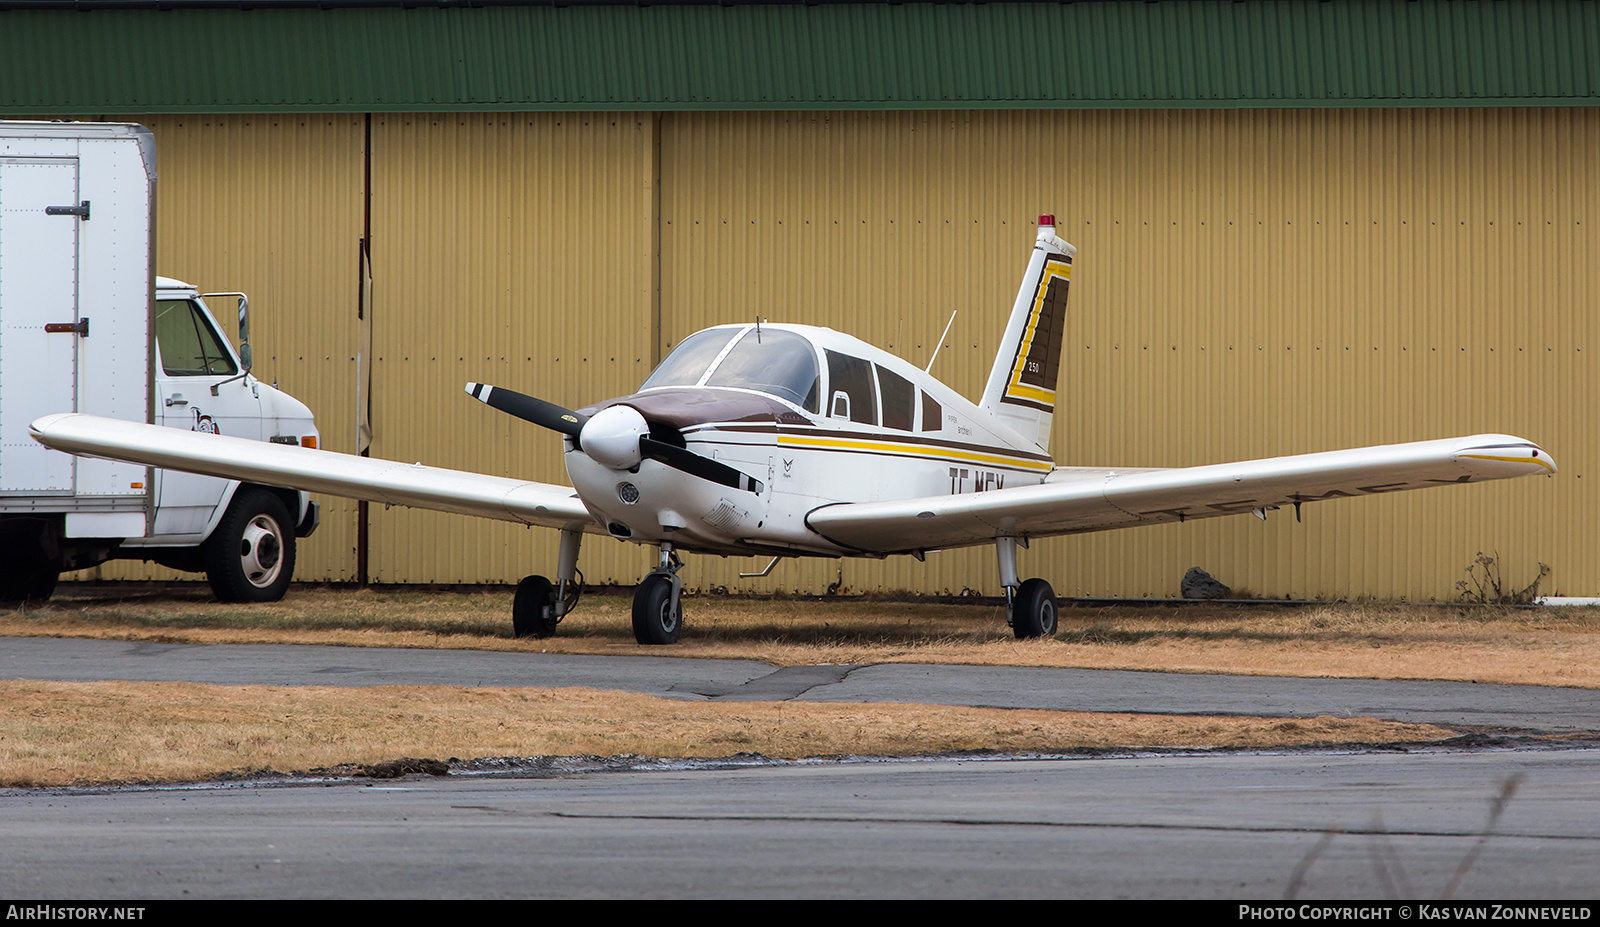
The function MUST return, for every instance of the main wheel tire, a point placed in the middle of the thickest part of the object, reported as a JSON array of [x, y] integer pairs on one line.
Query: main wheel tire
[[1033, 613], [655, 621], [533, 612], [250, 555]]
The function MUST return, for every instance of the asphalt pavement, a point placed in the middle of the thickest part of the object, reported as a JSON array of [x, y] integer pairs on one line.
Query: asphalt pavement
[[1534, 708]]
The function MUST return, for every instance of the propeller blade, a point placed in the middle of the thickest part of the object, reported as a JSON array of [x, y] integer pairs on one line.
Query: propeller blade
[[528, 408], [693, 464]]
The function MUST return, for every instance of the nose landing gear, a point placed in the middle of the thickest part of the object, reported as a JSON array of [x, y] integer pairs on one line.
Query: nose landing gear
[[657, 605]]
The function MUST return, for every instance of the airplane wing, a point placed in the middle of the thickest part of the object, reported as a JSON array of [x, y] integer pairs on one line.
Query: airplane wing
[[386, 481], [1075, 500]]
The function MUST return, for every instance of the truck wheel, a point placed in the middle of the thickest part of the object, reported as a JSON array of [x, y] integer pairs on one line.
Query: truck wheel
[[250, 556], [28, 581]]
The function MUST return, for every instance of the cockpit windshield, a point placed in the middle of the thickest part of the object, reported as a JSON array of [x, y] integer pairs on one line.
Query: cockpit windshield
[[771, 361], [687, 362], [775, 362]]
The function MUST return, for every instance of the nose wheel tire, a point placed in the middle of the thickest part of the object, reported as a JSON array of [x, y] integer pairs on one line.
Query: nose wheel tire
[[655, 620], [533, 611], [250, 555], [1033, 613]]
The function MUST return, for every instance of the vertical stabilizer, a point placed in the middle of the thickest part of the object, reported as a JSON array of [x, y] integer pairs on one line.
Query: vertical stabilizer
[[1021, 391]]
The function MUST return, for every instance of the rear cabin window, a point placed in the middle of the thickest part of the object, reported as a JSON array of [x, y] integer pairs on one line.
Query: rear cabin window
[[774, 362], [190, 347], [932, 415], [899, 399], [851, 392]]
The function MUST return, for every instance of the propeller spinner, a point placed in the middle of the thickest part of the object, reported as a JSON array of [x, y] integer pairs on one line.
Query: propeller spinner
[[617, 436]]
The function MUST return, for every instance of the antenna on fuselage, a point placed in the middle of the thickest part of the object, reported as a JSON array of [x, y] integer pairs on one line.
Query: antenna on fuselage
[[941, 340]]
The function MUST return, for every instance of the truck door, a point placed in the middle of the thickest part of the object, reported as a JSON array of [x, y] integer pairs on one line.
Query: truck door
[[192, 360], [39, 323]]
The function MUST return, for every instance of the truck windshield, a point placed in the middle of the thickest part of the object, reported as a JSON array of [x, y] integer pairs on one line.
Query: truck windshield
[[190, 347]]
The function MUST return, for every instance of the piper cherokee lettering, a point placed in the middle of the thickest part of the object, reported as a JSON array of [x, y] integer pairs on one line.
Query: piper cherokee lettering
[[879, 459]]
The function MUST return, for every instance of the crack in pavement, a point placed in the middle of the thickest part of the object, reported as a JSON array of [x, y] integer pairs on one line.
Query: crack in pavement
[[1175, 826], [781, 685]]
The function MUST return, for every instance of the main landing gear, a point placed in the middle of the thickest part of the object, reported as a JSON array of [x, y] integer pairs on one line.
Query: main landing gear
[[539, 606], [1031, 605]]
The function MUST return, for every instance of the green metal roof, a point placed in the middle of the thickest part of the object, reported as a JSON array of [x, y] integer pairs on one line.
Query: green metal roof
[[1177, 53]]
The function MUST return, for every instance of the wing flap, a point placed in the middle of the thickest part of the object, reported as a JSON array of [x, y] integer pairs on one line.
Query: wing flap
[[1079, 500], [386, 481]]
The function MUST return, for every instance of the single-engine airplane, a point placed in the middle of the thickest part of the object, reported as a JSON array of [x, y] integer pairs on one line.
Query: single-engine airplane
[[797, 441]]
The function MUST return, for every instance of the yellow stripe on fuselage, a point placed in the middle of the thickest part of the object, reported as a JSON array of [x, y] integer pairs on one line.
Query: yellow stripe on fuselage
[[915, 450]]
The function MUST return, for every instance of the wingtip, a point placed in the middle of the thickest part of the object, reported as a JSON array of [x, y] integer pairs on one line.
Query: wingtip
[[1506, 455], [41, 425]]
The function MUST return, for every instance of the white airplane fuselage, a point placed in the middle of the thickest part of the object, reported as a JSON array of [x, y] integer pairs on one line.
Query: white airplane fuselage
[[938, 443]]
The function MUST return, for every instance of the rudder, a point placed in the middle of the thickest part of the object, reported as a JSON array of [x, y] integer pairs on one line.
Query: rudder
[[1021, 391]]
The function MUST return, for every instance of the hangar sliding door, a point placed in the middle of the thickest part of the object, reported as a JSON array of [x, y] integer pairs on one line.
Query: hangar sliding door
[[1249, 283], [516, 250]]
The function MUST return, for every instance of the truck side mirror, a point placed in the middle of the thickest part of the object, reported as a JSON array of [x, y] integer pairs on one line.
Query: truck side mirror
[[244, 326]]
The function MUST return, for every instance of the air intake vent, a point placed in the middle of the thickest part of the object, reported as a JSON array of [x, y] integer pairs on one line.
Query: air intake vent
[[724, 516]]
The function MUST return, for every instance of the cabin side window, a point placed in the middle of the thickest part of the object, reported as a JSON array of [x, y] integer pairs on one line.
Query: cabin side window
[[899, 398], [932, 414], [852, 394]]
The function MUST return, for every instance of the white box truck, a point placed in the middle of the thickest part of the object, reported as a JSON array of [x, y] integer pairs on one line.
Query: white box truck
[[85, 326]]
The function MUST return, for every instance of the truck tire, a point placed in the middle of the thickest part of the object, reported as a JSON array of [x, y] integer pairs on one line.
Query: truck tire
[[250, 555], [27, 572], [27, 581]]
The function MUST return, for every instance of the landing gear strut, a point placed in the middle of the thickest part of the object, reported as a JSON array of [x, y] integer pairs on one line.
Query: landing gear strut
[[1031, 605], [539, 605], [657, 605]]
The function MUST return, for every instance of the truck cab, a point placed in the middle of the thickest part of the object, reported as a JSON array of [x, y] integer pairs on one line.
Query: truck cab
[[200, 383], [243, 536], [85, 326]]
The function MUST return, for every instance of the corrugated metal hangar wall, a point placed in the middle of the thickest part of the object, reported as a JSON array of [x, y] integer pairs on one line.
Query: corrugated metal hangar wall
[[1251, 282]]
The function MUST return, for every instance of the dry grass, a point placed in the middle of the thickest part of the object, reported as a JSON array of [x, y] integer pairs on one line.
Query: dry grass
[[60, 733], [78, 733], [1484, 644]]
